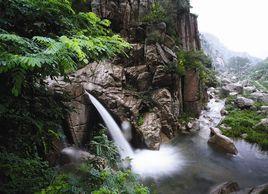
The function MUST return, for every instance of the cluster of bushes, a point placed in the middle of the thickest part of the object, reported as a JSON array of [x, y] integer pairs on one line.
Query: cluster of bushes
[[244, 122], [33, 175], [194, 60], [41, 39]]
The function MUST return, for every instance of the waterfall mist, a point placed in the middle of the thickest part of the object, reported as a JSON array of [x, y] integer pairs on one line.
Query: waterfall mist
[[146, 163]]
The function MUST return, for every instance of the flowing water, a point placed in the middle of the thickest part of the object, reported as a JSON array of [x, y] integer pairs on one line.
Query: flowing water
[[190, 165], [124, 148], [146, 163], [207, 166]]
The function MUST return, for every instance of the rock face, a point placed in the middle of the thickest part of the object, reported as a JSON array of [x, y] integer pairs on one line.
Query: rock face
[[225, 188], [191, 95], [141, 84], [150, 130], [222, 142], [243, 103]]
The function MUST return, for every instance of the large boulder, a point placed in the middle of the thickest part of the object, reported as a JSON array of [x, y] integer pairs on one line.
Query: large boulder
[[225, 188], [232, 87], [222, 142], [150, 130], [259, 96], [243, 103]]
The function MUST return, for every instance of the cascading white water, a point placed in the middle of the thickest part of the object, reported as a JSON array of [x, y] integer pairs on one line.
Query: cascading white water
[[146, 163], [124, 148]]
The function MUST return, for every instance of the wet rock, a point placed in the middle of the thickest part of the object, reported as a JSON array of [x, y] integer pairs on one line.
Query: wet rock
[[150, 130], [224, 112], [242, 102], [214, 131], [73, 155], [222, 142], [225, 188]]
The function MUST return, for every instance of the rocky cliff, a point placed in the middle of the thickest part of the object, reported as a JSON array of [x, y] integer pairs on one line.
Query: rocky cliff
[[139, 88]]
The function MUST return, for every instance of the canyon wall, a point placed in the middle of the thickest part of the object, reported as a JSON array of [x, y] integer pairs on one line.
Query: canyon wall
[[140, 88]]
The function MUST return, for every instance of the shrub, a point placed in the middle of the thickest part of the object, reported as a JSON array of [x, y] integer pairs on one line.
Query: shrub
[[20, 175], [157, 14], [41, 39], [243, 122], [101, 146]]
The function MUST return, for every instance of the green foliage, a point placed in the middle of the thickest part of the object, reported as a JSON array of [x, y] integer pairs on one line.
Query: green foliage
[[88, 179], [258, 74], [140, 120], [101, 146], [157, 14], [41, 39], [30, 121], [243, 122], [47, 38], [20, 175], [193, 60]]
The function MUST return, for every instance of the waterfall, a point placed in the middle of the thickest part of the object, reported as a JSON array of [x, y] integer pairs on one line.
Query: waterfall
[[146, 163], [124, 147]]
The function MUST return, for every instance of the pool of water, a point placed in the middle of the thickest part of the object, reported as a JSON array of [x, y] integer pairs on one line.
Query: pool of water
[[205, 166]]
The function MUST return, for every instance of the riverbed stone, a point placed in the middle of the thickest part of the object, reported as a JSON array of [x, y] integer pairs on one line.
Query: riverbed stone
[[242, 102], [223, 142], [259, 96]]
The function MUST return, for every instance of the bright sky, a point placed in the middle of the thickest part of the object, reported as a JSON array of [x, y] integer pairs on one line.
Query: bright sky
[[241, 25]]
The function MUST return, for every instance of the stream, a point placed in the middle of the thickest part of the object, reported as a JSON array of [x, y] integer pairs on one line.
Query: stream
[[206, 167], [189, 165]]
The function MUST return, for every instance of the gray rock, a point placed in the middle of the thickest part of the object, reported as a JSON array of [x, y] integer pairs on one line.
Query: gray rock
[[242, 102], [223, 142], [250, 89], [224, 112], [233, 87], [150, 130], [260, 97]]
